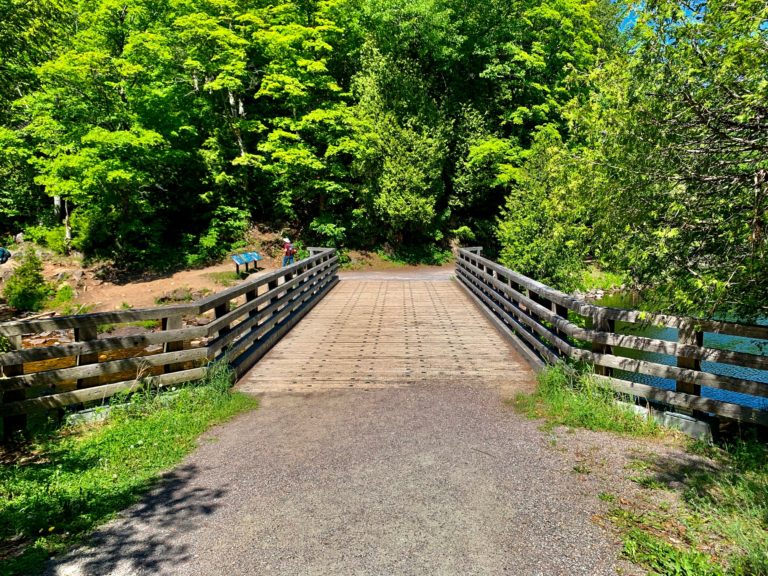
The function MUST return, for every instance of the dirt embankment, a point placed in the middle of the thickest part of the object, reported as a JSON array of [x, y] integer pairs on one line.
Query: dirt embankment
[[99, 288]]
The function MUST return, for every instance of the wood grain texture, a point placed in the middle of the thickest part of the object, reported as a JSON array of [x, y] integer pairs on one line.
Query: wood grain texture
[[538, 315], [390, 333]]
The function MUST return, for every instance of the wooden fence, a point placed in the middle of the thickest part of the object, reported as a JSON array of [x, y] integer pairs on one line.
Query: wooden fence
[[242, 322], [542, 318]]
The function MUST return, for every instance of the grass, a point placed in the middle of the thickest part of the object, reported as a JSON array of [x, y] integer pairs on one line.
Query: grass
[[567, 398], [720, 526], [146, 324], [705, 517], [225, 279], [75, 478], [63, 296]]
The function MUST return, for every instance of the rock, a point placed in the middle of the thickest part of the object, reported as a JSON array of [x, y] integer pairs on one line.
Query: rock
[[19, 238], [77, 276], [63, 275]]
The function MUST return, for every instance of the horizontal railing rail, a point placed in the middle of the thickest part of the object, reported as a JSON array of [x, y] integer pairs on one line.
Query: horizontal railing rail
[[242, 322], [542, 318]]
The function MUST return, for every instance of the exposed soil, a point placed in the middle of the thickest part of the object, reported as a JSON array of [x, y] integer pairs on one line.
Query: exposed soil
[[101, 288]]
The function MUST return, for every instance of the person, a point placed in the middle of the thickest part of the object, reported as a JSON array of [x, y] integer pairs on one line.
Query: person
[[5, 255], [288, 252]]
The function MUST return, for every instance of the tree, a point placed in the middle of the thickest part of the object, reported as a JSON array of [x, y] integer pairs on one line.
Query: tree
[[679, 128], [542, 227]]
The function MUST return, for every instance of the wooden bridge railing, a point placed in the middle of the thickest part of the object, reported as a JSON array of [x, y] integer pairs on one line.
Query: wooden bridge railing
[[247, 320], [541, 317]]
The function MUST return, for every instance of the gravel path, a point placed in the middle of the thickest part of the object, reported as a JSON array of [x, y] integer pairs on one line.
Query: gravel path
[[412, 480], [415, 466]]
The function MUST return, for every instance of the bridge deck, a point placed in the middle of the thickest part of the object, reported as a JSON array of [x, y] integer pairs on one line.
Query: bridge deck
[[372, 333]]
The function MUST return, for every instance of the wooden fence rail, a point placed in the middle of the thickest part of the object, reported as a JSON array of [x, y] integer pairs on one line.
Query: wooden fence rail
[[246, 321], [542, 318]]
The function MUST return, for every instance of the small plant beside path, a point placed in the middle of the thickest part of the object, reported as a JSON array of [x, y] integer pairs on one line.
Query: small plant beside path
[[568, 398], [65, 483], [702, 511]]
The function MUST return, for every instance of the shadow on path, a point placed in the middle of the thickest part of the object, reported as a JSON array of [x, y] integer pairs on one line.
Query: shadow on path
[[125, 546]]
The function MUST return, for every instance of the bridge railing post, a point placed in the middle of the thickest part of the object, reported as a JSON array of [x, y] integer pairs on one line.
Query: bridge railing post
[[16, 422], [87, 333], [175, 322], [602, 324], [220, 311], [688, 335]]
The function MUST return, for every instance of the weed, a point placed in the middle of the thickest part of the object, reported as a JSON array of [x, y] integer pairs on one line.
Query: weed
[[225, 279], [72, 309], [577, 399], [146, 324], [648, 482], [77, 478], [607, 497], [664, 558], [582, 468], [64, 294]]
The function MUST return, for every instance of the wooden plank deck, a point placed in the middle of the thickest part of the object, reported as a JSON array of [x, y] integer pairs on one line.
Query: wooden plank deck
[[375, 333]]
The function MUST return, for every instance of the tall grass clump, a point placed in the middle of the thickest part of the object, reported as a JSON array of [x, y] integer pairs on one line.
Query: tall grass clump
[[571, 398], [64, 484]]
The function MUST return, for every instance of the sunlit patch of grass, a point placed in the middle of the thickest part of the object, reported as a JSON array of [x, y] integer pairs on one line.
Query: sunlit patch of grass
[[68, 482], [225, 279], [567, 398]]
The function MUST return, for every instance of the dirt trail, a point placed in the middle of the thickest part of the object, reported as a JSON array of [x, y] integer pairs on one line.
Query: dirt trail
[[98, 295], [414, 476]]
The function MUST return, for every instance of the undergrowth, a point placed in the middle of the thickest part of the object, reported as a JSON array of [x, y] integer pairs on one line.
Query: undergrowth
[[569, 398], [719, 524], [225, 279], [67, 482], [721, 527], [594, 278]]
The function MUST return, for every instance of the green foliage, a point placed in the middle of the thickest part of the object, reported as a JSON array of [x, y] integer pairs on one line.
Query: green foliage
[[80, 477], [673, 134], [415, 255], [594, 277], [225, 231], [328, 233], [541, 228], [63, 296], [26, 289], [663, 558], [568, 398], [536, 128]]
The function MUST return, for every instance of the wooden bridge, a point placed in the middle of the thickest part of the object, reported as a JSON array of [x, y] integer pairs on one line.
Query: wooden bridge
[[370, 332]]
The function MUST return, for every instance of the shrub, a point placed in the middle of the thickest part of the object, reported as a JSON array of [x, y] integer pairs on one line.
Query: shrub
[[26, 289], [55, 239], [225, 231]]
